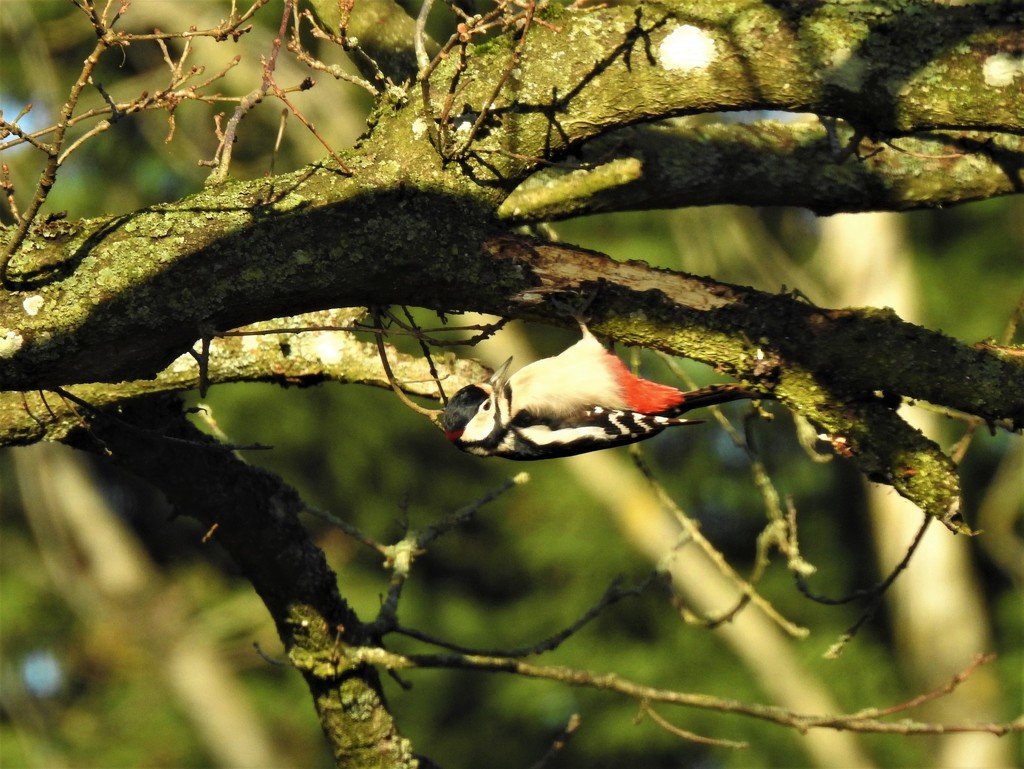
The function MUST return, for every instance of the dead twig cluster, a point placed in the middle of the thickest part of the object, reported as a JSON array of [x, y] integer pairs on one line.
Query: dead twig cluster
[[186, 83], [453, 135]]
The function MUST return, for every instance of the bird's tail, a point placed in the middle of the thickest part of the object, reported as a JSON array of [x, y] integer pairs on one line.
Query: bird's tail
[[712, 396]]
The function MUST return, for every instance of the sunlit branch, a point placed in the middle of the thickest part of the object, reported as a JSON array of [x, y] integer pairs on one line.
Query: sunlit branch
[[868, 720]]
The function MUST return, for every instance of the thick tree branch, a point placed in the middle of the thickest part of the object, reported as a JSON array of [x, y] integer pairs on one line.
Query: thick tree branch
[[254, 516], [299, 351], [760, 164], [824, 364], [886, 70]]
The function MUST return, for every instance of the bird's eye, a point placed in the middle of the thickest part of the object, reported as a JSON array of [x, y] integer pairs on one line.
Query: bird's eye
[[487, 406]]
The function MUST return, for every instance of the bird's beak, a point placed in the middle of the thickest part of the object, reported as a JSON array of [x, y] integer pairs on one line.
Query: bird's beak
[[500, 376]]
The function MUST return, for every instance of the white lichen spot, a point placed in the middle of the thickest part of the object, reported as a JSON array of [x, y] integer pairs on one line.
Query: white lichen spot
[[846, 70], [327, 349], [419, 128], [530, 297], [250, 343], [465, 124], [33, 304], [10, 343], [1001, 69], [687, 47]]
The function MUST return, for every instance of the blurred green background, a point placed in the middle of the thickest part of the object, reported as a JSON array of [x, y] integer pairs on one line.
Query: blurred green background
[[128, 642]]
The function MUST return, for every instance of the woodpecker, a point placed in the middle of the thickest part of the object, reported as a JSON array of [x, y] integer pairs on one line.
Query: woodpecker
[[583, 399]]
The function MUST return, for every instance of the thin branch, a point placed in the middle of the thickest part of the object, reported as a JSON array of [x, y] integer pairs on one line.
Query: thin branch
[[611, 596], [335, 71], [867, 721], [941, 691], [647, 710], [53, 151], [426, 355], [7, 185], [347, 528], [517, 54], [113, 418], [433, 414], [559, 743], [400, 556], [693, 532], [419, 41]]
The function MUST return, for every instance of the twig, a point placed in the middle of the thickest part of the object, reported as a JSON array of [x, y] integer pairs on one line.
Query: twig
[[517, 55], [434, 414], [864, 721], [438, 126], [692, 530], [941, 691], [8, 187], [426, 354], [419, 41], [304, 56], [347, 528], [222, 156], [647, 710], [53, 151], [559, 743], [487, 330], [611, 596], [875, 593], [400, 556], [156, 434]]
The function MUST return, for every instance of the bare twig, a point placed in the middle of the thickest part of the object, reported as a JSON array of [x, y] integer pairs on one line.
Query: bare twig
[[867, 721], [517, 55], [559, 743], [304, 56], [53, 151], [400, 556], [349, 529], [438, 126], [647, 710], [747, 589], [7, 185], [434, 414], [611, 596], [111, 417], [941, 691], [426, 354], [419, 41]]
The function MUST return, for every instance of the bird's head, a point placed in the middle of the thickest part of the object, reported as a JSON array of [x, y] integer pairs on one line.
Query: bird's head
[[477, 412]]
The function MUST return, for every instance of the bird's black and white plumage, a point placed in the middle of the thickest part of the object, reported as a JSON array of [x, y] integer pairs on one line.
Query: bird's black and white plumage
[[584, 399]]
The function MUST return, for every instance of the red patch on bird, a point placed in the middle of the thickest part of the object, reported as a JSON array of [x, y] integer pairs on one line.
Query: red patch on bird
[[453, 435], [642, 395]]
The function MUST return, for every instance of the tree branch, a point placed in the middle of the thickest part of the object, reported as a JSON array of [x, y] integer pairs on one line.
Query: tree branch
[[299, 351], [864, 721], [762, 163], [253, 515]]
